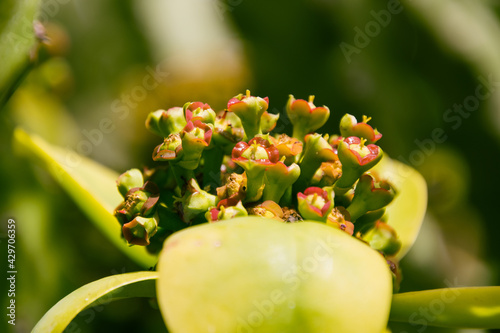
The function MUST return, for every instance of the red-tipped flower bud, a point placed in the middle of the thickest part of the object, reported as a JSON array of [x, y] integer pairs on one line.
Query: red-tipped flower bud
[[314, 204], [164, 123], [349, 126], [199, 111], [249, 109], [305, 116], [356, 159], [370, 195], [255, 156]]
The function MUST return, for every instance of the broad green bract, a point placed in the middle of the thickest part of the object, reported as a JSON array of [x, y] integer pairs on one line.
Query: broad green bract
[[258, 275]]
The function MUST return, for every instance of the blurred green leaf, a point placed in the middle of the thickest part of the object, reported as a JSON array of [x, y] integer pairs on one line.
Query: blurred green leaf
[[91, 185], [17, 39], [406, 212], [472, 307], [111, 288]]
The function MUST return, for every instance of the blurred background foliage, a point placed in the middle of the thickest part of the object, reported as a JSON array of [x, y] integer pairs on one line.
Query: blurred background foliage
[[406, 64]]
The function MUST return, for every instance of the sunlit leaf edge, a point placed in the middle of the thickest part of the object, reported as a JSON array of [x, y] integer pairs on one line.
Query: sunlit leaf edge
[[17, 39], [464, 307], [91, 185], [111, 288], [406, 212]]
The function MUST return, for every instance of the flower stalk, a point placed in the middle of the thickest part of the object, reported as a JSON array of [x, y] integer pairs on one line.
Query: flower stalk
[[317, 150], [278, 179]]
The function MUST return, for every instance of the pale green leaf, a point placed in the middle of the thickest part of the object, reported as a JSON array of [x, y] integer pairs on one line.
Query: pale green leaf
[[91, 185], [138, 284], [406, 212], [472, 307]]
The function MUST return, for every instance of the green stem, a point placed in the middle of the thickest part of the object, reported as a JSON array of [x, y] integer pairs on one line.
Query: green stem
[[356, 209], [368, 220], [309, 163], [472, 307], [286, 199], [274, 192], [169, 219], [251, 129], [347, 180], [255, 180], [16, 82], [181, 175], [307, 171], [298, 133], [340, 191], [211, 169]]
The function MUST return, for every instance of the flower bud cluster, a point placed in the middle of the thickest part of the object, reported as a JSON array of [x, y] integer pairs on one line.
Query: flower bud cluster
[[214, 166]]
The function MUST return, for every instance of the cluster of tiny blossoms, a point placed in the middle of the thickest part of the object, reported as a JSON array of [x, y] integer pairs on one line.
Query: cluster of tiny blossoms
[[214, 166]]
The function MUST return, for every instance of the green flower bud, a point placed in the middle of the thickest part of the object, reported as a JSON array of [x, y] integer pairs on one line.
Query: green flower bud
[[356, 159], [349, 126], [314, 204], [199, 111], [288, 147], [278, 178], [226, 213], [233, 190], [139, 201], [164, 123], [255, 157], [140, 230], [170, 149], [228, 130], [249, 109], [195, 202], [195, 138], [327, 174], [382, 237], [370, 196], [268, 121], [334, 141], [305, 116], [128, 180]]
